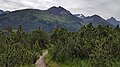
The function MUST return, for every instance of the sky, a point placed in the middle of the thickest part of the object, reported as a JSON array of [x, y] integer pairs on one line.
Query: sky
[[104, 8]]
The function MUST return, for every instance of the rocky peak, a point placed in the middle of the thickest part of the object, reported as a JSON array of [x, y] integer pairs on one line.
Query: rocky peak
[[58, 10]]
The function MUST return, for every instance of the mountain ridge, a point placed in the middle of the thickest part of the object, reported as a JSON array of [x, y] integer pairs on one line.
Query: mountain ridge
[[31, 19], [113, 21], [1, 12]]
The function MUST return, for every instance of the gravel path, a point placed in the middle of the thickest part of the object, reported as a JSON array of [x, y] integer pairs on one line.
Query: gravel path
[[41, 61]]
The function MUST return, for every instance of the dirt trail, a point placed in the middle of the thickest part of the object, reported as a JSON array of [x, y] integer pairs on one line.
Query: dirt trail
[[41, 61]]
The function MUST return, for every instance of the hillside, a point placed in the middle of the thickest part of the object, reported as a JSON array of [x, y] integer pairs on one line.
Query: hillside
[[113, 21], [31, 19], [94, 19], [47, 20]]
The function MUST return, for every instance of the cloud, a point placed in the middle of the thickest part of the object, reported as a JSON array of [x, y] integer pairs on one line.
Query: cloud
[[104, 8]]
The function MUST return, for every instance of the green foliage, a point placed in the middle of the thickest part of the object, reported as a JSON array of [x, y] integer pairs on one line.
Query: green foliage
[[40, 37], [98, 45], [17, 48], [90, 47]]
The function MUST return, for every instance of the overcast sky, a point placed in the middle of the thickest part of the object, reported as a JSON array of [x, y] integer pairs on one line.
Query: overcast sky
[[104, 8]]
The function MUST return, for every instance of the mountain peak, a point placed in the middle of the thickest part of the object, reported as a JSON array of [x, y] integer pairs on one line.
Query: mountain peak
[[112, 18], [61, 8], [58, 10], [96, 16], [1, 11], [113, 21]]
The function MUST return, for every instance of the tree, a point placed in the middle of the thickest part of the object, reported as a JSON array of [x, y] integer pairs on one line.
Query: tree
[[41, 37]]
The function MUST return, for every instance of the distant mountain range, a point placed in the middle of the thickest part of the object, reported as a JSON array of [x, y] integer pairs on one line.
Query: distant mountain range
[[113, 21], [97, 20], [3, 12], [31, 19]]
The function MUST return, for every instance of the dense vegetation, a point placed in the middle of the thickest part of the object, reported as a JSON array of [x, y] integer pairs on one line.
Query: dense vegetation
[[90, 47], [20, 48]]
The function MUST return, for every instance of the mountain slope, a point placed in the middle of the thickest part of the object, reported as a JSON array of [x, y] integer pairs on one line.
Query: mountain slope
[[113, 21], [31, 19], [94, 19], [1, 11]]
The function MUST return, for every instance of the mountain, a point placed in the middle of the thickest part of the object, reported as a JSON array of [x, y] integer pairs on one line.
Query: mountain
[[7, 12], [94, 19], [1, 11], [31, 19], [60, 11], [113, 21]]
